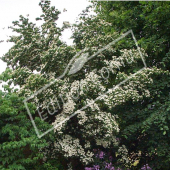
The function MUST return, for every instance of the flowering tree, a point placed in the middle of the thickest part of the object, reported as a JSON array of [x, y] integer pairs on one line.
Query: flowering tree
[[37, 58], [108, 114]]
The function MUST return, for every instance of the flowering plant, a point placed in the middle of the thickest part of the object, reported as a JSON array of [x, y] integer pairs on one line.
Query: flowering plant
[[103, 161]]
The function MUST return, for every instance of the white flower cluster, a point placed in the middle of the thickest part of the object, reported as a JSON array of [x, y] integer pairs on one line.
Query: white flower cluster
[[128, 58], [71, 147], [69, 106], [94, 124], [92, 84], [82, 117]]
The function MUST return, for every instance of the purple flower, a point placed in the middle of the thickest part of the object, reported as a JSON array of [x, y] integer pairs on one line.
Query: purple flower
[[96, 167], [112, 168], [88, 168], [108, 165], [146, 167], [101, 154]]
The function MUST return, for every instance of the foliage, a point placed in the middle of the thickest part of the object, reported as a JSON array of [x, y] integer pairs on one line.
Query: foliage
[[130, 122], [149, 21], [145, 124], [19, 145]]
